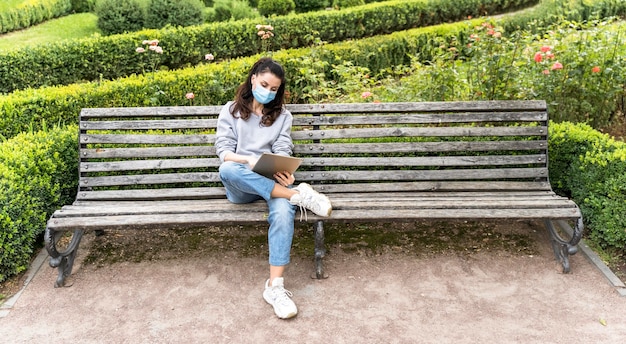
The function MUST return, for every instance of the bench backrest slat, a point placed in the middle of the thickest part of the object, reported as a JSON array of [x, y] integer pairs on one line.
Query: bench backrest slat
[[168, 152]]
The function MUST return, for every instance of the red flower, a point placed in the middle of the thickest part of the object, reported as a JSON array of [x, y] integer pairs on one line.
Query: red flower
[[545, 48], [595, 69], [538, 57], [557, 65], [545, 71]]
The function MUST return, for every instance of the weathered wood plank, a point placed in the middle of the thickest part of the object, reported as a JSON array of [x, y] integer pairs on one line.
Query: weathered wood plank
[[148, 139], [149, 124], [162, 111], [153, 194], [145, 179], [399, 107], [160, 164], [147, 152], [422, 118], [202, 219], [419, 132], [417, 147], [404, 161]]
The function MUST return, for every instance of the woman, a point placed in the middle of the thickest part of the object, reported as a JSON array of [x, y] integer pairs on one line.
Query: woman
[[254, 123]]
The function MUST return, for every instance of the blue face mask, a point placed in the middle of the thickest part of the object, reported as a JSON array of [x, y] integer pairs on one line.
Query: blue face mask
[[263, 95]]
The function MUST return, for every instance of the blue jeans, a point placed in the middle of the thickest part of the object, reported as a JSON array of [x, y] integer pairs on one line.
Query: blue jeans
[[244, 186]]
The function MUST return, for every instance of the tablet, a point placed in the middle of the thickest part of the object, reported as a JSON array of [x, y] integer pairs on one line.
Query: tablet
[[269, 164]]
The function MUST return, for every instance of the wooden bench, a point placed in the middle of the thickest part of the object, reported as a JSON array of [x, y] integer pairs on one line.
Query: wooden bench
[[146, 168]]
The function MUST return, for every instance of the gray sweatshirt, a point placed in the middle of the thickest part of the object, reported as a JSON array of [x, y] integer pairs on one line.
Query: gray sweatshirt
[[249, 137]]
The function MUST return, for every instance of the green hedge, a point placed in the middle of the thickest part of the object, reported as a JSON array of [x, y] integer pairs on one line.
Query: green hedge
[[590, 167], [214, 83], [37, 176], [31, 12], [67, 62]]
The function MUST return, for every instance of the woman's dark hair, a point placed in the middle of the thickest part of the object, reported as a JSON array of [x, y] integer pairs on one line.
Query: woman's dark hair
[[243, 98]]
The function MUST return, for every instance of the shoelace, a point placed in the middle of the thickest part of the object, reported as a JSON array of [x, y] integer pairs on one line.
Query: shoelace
[[282, 295], [302, 211]]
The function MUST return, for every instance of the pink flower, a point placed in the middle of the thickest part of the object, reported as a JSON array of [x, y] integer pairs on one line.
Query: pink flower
[[546, 72], [595, 69], [556, 65], [209, 57], [538, 57], [366, 94], [550, 56], [140, 50], [190, 95], [546, 48]]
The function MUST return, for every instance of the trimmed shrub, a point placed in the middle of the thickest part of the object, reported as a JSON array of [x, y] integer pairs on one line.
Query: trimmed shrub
[[81, 6], [311, 5], [275, 7], [32, 12], [119, 16], [347, 3], [591, 167], [66, 62], [38, 174], [162, 13]]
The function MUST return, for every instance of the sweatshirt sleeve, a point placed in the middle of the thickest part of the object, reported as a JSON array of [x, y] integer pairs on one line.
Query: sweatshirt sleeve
[[284, 144], [226, 133]]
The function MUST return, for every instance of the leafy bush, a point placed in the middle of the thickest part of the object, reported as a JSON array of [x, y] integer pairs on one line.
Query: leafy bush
[[119, 16], [591, 167], [32, 12], [80, 6], [275, 7], [161, 13], [37, 176], [224, 10], [311, 5], [347, 3], [66, 62]]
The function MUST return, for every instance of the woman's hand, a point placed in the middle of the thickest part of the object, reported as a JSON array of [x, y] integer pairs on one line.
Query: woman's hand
[[252, 160], [284, 178]]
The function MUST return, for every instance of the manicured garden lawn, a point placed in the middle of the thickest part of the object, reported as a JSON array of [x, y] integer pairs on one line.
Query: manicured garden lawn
[[68, 27]]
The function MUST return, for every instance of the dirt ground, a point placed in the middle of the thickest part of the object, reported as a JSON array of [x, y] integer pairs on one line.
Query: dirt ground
[[461, 282]]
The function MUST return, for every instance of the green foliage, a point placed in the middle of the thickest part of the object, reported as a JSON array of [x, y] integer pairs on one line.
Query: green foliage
[[119, 16], [225, 10], [347, 3], [591, 167], [37, 176], [311, 5], [98, 58], [275, 7], [32, 12], [161, 13], [81, 6]]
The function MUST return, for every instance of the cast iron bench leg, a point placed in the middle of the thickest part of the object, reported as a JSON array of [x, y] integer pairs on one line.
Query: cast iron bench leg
[[564, 248], [320, 251], [64, 259]]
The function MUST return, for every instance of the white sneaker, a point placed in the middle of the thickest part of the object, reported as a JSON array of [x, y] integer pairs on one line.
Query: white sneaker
[[312, 200], [280, 298]]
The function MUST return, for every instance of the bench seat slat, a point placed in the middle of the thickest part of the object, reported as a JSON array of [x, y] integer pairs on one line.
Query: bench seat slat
[[239, 217], [223, 206]]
